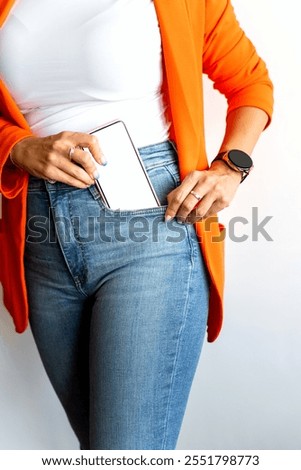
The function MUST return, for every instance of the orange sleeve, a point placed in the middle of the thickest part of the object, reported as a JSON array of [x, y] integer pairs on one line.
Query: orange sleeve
[[5, 7], [12, 179], [230, 60], [13, 128]]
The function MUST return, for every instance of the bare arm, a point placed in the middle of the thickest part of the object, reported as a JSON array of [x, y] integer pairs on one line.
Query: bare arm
[[244, 126], [217, 185]]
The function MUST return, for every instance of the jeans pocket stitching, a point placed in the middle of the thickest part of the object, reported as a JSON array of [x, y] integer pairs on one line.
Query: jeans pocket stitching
[[174, 174]]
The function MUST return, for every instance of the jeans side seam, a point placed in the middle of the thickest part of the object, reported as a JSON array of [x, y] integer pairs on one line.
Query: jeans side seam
[[176, 356]]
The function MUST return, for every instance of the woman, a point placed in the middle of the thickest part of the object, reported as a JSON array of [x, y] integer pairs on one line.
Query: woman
[[119, 323]]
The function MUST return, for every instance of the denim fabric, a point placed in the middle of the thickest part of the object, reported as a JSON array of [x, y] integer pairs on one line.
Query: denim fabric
[[118, 308]]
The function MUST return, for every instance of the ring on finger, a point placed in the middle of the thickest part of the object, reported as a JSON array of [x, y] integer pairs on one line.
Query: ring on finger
[[71, 153], [196, 195]]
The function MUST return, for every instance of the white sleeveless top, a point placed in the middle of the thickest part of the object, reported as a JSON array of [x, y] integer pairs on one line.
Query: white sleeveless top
[[75, 65]]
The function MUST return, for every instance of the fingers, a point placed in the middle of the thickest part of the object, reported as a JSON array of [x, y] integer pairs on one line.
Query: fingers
[[207, 208], [90, 142], [68, 157], [57, 165], [81, 160], [201, 195], [71, 158], [181, 202], [78, 180], [81, 170], [201, 209]]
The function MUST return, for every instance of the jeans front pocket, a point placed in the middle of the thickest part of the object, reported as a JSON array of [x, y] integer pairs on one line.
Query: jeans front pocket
[[164, 178], [161, 164]]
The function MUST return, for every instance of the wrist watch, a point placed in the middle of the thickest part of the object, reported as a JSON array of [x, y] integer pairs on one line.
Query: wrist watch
[[237, 160]]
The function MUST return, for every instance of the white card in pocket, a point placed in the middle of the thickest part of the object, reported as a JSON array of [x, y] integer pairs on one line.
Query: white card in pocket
[[123, 183]]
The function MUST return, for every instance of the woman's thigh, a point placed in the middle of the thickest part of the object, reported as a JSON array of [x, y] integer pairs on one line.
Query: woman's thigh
[[59, 313], [147, 329]]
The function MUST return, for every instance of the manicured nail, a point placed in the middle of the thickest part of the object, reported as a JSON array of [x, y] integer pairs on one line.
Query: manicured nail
[[168, 218], [96, 175], [104, 162]]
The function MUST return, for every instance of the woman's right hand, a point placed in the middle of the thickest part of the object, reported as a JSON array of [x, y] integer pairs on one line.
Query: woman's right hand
[[60, 157]]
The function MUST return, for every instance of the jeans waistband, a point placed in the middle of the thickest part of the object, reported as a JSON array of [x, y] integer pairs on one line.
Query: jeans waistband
[[167, 145]]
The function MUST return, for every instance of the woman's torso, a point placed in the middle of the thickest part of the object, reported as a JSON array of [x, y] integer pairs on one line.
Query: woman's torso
[[73, 65]]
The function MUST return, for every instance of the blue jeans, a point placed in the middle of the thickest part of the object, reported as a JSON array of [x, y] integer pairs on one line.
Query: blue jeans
[[118, 309]]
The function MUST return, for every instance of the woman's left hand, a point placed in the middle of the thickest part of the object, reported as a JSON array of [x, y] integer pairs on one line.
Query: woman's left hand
[[214, 189]]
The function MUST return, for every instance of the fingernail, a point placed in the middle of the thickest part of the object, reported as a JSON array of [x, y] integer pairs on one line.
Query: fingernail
[[168, 218], [104, 162], [181, 221], [96, 175]]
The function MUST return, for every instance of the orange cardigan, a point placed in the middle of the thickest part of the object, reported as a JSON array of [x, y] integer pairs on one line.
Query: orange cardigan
[[198, 36]]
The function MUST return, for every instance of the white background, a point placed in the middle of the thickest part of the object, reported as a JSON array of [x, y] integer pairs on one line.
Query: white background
[[246, 393]]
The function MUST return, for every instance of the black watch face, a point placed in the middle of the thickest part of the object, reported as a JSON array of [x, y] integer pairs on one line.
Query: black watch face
[[240, 159]]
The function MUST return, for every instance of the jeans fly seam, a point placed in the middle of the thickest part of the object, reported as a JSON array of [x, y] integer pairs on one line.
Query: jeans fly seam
[[78, 285], [177, 354], [77, 280]]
